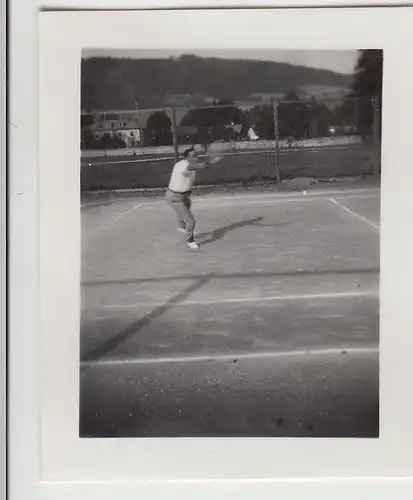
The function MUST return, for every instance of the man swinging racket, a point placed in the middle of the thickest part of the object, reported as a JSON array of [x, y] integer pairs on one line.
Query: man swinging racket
[[178, 194]]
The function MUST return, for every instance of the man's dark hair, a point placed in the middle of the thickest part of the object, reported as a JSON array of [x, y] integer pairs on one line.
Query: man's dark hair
[[187, 151]]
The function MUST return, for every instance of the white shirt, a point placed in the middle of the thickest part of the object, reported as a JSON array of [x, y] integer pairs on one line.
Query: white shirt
[[182, 179]]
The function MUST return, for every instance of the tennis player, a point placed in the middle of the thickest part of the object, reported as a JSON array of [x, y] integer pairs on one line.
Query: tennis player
[[178, 194]]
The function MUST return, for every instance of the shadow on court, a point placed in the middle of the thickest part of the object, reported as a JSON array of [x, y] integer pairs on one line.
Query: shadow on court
[[163, 279], [219, 233], [133, 329], [114, 342]]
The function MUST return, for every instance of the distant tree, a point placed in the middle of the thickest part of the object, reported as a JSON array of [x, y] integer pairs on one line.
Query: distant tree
[[212, 122], [368, 74], [367, 84], [159, 129], [320, 119], [294, 119], [106, 141], [86, 120], [111, 141], [345, 114], [291, 95], [119, 142], [88, 140], [225, 102], [261, 119]]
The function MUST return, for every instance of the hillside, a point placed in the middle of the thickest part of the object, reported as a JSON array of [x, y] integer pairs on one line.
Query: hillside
[[109, 83]]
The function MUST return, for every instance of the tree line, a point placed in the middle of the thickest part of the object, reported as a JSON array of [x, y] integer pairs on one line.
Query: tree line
[[296, 119]]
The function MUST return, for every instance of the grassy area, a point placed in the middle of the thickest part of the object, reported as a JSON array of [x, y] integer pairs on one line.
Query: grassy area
[[245, 168]]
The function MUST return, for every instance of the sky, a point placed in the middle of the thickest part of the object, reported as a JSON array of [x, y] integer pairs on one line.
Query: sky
[[341, 61]]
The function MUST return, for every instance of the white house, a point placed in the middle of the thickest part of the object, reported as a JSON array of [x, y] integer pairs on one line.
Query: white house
[[127, 125]]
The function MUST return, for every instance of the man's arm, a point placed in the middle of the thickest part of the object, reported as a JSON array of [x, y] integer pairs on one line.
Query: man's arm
[[199, 165]]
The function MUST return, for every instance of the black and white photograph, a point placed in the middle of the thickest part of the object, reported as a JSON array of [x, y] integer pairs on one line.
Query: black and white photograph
[[210, 254], [230, 224]]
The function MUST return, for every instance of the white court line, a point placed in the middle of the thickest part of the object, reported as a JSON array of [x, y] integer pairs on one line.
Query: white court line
[[240, 300], [113, 221], [308, 197], [355, 214], [230, 357], [294, 194], [283, 196], [268, 199], [257, 199]]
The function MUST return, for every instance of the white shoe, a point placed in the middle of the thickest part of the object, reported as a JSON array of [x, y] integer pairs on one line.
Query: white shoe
[[193, 245]]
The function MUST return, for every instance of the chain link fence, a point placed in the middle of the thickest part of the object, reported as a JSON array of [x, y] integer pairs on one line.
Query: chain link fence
[[262, 141]]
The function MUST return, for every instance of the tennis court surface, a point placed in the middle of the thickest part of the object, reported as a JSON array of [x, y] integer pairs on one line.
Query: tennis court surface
[[270, 329]]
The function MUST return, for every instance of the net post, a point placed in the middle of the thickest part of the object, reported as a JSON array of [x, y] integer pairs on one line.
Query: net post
[[275, 108], [376, 137], [174, 132]]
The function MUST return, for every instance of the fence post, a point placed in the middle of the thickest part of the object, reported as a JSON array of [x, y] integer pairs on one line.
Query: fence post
[[376, 137], [275, 105], [174, 133]]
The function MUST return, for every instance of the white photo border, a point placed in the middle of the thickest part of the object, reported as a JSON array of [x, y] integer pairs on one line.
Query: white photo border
[[3, 237], [46, 239]]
